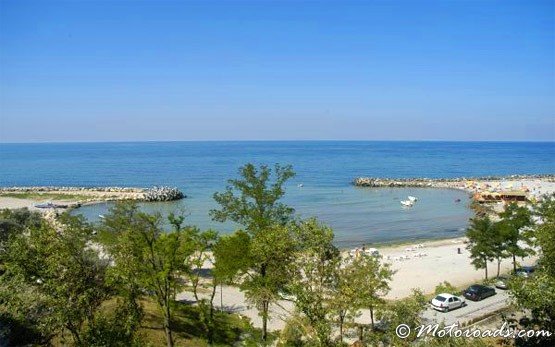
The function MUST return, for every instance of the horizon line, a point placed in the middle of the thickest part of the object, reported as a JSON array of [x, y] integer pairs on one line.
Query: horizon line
[[251, 140]]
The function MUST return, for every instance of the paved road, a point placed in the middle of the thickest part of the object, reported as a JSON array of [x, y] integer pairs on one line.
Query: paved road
[[472, 310]]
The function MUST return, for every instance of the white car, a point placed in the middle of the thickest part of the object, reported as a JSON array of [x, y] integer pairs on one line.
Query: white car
[[445, 302]]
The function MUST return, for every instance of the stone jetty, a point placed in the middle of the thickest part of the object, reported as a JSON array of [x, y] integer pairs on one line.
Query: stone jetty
[[163, 194], [440, 182], [388, 182], [88, 194]]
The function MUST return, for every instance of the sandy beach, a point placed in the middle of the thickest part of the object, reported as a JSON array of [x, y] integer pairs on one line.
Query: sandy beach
[[13, 203]]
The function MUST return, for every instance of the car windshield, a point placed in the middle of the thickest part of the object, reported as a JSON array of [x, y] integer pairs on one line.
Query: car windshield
[[474, 289], [440, 298]]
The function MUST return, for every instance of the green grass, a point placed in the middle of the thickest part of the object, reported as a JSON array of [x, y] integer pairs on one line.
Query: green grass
[[188, 331]]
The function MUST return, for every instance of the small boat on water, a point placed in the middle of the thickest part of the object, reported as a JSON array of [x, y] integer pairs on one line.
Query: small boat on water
[[412, 198], [101, 216], [300, 185], [407, 203]]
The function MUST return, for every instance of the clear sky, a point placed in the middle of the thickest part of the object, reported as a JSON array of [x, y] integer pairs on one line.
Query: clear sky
[[289, 70]]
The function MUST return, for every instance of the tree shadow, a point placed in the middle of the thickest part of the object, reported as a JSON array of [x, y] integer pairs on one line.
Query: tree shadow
[[227, 328]]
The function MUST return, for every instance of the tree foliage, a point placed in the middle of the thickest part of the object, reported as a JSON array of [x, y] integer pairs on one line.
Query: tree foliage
[[253, 201], [146, 258], [405, 311], [65, 274], [315, 278], [371, 277], [515, 231], [16, 221], [483, 240], [537, 293]]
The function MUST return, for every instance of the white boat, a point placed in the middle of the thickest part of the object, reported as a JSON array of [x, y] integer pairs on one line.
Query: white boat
[[412, 198], [407, 203], [300, 185], [101, 216]]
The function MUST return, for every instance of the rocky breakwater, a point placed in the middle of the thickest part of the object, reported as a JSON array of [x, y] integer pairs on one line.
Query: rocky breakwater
[[401, 182], [443, 182], [162, 194], [93, 194]]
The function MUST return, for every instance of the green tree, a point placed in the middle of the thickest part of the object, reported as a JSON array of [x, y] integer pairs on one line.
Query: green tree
[[116, 228], [65, 272], [16, 221], [253, 201], [156, 259], [515, 231], [202, 243], [371, 277], [231, 257], [271, 253], [405, 311], [482, 237], [344, 297], [315, 278], [537, 293]]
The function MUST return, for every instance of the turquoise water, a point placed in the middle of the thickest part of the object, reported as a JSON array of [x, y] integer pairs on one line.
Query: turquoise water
[[326, 169]]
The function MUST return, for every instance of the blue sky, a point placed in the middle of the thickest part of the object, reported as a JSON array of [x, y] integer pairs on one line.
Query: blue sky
[[289, 70]]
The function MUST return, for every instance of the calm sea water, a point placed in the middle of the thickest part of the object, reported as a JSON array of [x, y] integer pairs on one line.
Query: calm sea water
[[326, 169]]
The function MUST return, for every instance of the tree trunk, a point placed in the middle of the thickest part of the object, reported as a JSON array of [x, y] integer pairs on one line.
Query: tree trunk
[[265, 305], [498, 266], [211, 322], [75, 335], [372, 316], [195, 293], [167, 327], [212, 301], [486, 267], [514, 262], [264, 320], [341, 319]]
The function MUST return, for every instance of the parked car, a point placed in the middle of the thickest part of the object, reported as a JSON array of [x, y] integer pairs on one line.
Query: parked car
[[502, 282], [477, 292], [445, 302], [525, 271]]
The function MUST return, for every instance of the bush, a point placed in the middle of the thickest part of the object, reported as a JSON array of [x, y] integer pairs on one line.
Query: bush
[[446, 287]]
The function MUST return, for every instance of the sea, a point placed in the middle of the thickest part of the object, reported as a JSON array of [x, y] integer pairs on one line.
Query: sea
[[322, 187]]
